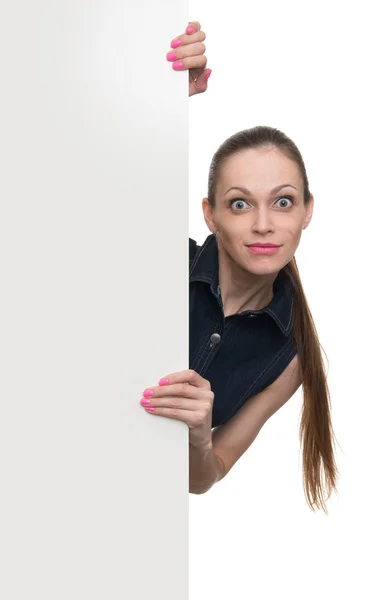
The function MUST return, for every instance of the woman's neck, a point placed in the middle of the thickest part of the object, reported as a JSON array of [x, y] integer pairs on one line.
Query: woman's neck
[[240, 290]]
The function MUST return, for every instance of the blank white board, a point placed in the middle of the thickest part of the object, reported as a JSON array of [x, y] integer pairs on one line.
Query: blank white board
[[93, 300]]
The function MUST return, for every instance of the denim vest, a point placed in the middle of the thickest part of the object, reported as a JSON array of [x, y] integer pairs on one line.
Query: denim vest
[[252, 348]]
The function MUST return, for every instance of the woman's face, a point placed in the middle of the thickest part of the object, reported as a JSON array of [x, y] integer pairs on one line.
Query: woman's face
[[269, 209]]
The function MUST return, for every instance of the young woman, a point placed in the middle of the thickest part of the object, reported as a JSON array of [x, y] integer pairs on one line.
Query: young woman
[[252, 338]]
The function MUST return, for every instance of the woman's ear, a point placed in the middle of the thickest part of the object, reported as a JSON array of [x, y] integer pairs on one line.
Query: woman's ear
[[309, 208], [208, 213]]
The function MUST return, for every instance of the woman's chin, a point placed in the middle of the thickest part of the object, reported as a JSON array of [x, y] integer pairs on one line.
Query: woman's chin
[[265, 265]]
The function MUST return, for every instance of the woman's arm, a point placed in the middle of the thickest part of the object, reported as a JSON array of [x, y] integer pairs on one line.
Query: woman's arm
[[231, 440], [205, 469]]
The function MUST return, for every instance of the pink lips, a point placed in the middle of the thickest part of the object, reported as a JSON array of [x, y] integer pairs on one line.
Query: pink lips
[[263, 248]]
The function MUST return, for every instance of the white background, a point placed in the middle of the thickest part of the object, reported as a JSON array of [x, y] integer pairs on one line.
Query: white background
[[314, 71], [93, 300], [76, 205]]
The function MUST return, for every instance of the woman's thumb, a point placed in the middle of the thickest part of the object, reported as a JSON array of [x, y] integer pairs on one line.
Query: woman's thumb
[[201, 81]]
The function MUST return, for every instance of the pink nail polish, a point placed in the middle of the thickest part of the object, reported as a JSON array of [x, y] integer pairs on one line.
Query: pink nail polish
[[144, 401], [207, 75], [150, 409], [163, 382], [148, 393], [178, 64], [175, 43], [190, 29], [171, 56]]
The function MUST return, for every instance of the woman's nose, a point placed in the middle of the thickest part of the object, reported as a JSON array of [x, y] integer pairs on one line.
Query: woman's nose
[[263, 221]]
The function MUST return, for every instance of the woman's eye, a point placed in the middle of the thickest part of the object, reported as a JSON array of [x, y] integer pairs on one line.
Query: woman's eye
[[285, 200], [238, 203]]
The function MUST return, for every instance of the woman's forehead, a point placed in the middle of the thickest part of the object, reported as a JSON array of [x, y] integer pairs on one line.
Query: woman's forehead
[[259, 167]]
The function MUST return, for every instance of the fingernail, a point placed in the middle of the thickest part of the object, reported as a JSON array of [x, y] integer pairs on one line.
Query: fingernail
[[190, 29], [151, 409], [171, 56], [208, 75], [175, 43], [163, 381], [144, 401], [148, 393], [178, 64]]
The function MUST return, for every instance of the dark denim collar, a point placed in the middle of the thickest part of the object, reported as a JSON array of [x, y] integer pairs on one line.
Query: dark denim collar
[[205, 268]]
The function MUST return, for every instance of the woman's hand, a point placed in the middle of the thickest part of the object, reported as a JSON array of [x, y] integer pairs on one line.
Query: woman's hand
[[187, 397], [188, 52]]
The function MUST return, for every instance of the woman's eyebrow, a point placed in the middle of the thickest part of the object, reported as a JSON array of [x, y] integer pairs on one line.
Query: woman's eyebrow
[[245, 191]]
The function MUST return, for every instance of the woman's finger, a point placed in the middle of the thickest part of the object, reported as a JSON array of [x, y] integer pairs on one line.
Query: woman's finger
[[193, 62], [192, 418], [184, 390], [185, 39], [178, 402], [189, 376], [193, 27], [196, 49], [176, 389]]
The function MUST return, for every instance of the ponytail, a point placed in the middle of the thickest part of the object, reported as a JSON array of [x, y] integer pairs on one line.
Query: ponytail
[[316, 433]]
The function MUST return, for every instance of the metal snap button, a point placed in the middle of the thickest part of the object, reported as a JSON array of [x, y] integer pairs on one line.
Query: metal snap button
[[215, 338]]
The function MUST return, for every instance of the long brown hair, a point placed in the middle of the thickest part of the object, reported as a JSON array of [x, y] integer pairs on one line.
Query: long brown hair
[[316, 432]]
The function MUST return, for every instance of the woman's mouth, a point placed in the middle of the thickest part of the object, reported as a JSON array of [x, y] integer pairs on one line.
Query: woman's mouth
[[263, 248]]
